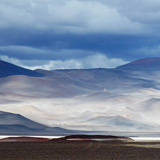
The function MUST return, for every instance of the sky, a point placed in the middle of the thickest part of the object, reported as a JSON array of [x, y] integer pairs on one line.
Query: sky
[[67, 34]]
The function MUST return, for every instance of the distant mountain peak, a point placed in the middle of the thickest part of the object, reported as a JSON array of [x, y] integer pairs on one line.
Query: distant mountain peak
[[147, 61], [142, 64], [8, 69]]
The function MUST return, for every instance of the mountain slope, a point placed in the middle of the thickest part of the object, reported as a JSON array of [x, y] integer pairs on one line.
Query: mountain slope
[[86, 99], [118, 123], [8, 69], [100, 78]]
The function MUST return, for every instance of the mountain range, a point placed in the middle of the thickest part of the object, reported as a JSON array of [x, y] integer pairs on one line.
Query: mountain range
[[126, 98]]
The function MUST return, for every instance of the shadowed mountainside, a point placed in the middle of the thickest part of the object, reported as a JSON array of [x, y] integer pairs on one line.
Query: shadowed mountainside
[[8, 69], [7, 118], [15, 124]]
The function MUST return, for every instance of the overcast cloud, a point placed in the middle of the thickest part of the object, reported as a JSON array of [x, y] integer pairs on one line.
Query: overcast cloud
[[66, 16], [65, 33]]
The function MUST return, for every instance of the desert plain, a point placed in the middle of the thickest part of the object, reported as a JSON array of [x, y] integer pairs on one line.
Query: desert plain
[[80, 150]]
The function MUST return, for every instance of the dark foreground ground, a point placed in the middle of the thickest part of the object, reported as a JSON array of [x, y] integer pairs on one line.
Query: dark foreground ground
[[87, 150]]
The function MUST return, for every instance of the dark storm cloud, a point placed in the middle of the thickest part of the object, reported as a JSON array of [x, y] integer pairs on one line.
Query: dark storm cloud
[[76, 29], [45, 45]]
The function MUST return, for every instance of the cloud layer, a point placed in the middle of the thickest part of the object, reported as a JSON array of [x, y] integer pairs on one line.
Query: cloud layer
[[94, 61], [69, 30]]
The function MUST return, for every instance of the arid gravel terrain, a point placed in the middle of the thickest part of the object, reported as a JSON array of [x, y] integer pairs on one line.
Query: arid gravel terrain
[[79, 150]]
